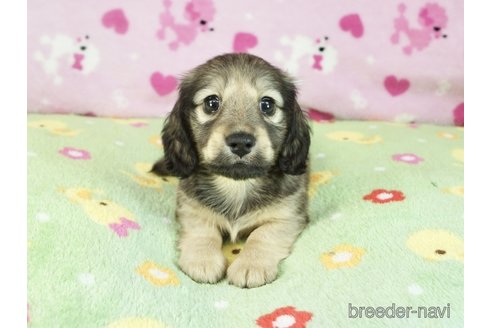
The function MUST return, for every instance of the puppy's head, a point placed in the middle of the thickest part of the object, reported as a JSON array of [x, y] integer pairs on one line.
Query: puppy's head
[[236, 116]]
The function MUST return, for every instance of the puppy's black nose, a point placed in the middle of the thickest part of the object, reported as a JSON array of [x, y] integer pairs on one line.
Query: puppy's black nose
[[241, 143]]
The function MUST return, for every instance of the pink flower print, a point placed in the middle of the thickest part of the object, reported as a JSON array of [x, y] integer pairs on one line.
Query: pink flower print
[[121, 229], [407, 158], [75, 153], [138, 124]]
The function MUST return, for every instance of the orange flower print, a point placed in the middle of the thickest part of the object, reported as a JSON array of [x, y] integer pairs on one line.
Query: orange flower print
[[157, 275], [342, 256]]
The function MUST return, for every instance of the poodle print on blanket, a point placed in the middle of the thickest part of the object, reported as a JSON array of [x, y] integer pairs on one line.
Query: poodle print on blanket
[[104, 212], [198, 15], [432, 19], [394, 61], [67, 52], [317, 54]]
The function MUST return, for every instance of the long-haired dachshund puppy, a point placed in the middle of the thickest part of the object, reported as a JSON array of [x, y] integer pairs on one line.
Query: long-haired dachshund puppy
[[239, 143]]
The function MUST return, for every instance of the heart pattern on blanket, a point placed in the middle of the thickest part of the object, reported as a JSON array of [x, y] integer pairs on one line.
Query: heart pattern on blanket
[[353, 24], [163, 85], [459, 115], [319, 116], [244, 41], [116, 19], [396, 87]]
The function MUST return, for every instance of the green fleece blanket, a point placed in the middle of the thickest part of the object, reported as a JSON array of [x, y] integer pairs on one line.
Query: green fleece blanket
[[384, 246]]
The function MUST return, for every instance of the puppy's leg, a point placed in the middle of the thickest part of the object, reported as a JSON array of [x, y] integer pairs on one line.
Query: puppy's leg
[[201, 257], [265, 247], [200, 244]]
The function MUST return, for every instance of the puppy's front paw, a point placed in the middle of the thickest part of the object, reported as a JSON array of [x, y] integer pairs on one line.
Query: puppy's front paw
[[244, 272], [202, 267]]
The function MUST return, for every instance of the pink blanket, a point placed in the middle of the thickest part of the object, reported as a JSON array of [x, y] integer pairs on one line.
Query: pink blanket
[[384, 59]]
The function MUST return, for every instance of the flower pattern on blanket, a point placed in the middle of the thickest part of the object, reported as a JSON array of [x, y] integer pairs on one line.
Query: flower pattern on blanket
[[459, 154], [408, 158], [157, 275], [342, 256], [232, 250], [285, 317], [156, 140], [136, 123], [437, 245], [382, 196], [137, 323], [149, 180], [75, 153], [356, 137], [447, 135], [456, 190], [366, 193], [54, 127], [318, 179], [103, 211]]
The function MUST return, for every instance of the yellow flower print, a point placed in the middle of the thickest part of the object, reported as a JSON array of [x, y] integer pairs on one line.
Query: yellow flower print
[[156, 275], [156, 141], [447, 135], [436, 245], [231, 251], [54, 127], [149, 180], [342, 256], [356, 137], [318, 178], [137, 323], [459, 154], [459, 190]]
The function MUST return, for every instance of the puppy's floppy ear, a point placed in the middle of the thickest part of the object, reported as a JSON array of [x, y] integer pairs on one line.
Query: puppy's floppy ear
[[294, 153], [180, 156]]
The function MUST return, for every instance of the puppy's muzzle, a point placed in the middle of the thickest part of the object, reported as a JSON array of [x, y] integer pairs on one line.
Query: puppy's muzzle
[[241, 143]]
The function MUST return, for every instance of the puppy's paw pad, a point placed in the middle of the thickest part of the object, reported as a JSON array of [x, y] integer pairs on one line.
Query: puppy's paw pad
[[249, 274], [207, 269]]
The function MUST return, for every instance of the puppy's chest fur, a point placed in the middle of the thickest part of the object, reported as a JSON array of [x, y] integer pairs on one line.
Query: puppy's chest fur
[[235, 198]]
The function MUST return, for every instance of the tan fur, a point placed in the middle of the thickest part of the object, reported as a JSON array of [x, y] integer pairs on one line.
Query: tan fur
[[259, 195], [238, 93], [214, 145], [274, 230], [264, 144]]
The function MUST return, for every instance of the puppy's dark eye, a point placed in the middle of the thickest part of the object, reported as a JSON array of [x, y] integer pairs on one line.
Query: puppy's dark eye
[[267, 106], [211, 104]]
